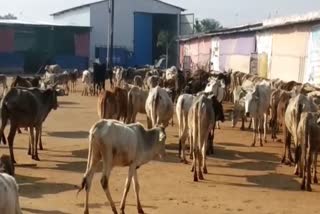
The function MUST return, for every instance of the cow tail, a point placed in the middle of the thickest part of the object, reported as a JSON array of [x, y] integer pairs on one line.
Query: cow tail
[[198, 109], [93, 139], [155, 103]]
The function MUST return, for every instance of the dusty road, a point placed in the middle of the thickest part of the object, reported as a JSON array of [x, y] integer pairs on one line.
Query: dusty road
[[241, 179]]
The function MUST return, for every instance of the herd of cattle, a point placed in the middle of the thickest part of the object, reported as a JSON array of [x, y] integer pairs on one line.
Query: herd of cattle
[[198, 98]]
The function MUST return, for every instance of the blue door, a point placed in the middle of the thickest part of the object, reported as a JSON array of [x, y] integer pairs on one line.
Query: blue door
[[142, 39]]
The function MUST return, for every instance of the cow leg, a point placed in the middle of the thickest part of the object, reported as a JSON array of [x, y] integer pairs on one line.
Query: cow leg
[[200, 163], [195, 156], [191, 144], [265, 121], [261, 125], [136, 188], [255, 124], [242, 123], [182, 145], [315, 159], [40, 139], [11, 136], [36, 156], [32, 142], [87, 179], [303, 166], [132, 168], [204, 157], [107, 161], [309, 162], [250, 123], [287, 145]]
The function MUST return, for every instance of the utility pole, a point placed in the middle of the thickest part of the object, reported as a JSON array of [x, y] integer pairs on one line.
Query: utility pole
[[111, 35]]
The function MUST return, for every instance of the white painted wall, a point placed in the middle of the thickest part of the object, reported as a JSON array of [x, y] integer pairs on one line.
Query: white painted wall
[[124, 23], [99, 16], [79, 17]]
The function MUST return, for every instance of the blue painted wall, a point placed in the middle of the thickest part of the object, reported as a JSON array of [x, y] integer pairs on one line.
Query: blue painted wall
[[142, 39], [120, 56], [11, 60]]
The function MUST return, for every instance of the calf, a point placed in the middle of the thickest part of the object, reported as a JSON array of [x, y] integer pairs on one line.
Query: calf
[[183, 106], [113, 104], [9, 195], [117, 144], [159, 107], [308, 136], [87, 81]]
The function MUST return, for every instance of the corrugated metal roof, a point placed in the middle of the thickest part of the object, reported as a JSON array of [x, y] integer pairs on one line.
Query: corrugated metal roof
[[96, 2], [76, 8], [38, 23], [266, 24]]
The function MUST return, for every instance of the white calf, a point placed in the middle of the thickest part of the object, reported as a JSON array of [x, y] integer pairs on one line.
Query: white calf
[[118, 144], [159, 107], [183, 106]]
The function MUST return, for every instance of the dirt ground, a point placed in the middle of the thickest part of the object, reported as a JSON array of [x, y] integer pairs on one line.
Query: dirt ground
[[241, 179]]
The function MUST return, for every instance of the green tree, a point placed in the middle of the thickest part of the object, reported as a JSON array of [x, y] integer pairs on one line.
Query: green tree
[[8, 16], [207, 25], [164, 41]]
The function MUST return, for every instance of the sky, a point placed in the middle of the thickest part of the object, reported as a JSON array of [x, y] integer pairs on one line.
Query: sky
[[227, 12]]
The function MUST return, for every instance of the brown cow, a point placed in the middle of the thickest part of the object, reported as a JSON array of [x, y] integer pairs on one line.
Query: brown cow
[[136, 103], [113, 104]]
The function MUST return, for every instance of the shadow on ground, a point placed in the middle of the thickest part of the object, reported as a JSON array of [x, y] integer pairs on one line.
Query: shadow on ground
[[43, 211], [70, 134], [33, 187]]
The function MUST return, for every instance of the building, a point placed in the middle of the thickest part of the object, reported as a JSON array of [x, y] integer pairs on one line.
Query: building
[[136, 27], [287, 48], [27, 46]]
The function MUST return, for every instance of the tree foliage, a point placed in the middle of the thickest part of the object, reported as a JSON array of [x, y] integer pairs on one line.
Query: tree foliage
[[8, 16], [206, 25]]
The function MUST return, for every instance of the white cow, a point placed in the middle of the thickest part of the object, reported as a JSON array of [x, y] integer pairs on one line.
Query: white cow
[[9, 195], [159, 107], [257, 105], [117, 144], [183, 106]]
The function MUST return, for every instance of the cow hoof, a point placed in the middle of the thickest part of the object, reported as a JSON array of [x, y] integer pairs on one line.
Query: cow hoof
[[242, 128], [302, 187], [195, 179], [315, 180], [309, 188], [140, 211], [36, 158], [201, 176], [205, 171], [253, 145], [192, 169], [261, 144]]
